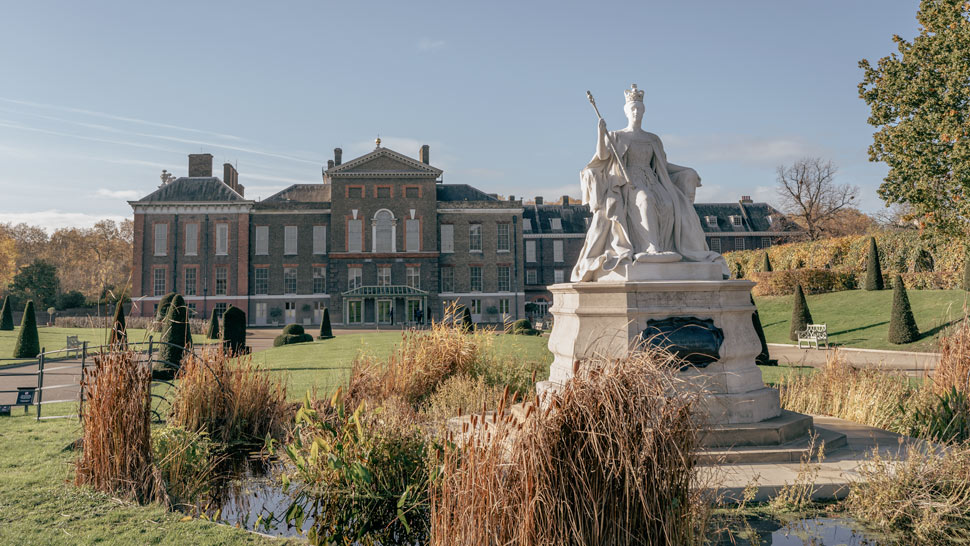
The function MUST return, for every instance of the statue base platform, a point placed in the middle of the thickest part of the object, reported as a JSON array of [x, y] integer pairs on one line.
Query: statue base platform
[[605, 319], [672, 271]]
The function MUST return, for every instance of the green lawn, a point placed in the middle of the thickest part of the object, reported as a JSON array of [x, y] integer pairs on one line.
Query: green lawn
[[55, 338], [860, 319], [39, 506]]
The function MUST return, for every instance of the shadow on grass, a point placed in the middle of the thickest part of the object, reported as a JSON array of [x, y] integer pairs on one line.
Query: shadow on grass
[[933, 331], [866, 327]]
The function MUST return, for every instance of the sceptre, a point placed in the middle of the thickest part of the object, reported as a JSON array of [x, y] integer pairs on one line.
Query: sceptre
[[609, 140]]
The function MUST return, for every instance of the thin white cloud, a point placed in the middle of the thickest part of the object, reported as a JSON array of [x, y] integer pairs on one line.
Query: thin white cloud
[[117, 118], [746, 149], [53, 219], [427, 44], [281, 179], [21, 127], [127, 195]]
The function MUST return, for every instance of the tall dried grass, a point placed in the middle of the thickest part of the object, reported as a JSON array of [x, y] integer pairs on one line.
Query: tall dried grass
[[608, 462], [117, 448], [953, 369], [420, 362], [229, 398], [870, 397]]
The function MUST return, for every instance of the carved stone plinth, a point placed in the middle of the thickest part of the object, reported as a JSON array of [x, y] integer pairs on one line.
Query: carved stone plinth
[[605, 318]]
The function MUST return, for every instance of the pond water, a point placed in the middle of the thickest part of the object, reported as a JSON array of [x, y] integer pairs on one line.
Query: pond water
[[818, 531]]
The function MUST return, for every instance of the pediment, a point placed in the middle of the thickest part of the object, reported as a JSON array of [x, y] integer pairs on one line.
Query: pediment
[[384, 162]]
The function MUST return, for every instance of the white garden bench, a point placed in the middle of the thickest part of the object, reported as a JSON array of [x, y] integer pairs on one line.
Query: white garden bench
[[813, 334]]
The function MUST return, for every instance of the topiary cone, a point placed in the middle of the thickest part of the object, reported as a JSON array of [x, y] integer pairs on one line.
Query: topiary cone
[[234, 330], [766, 264], [467, 325], [119, 333], [801, 317], [28, 342], [902, 323], [163, 305], [213, 331], [326, 332], [174, 334], [763, 358], [873, 269], [6, 315]]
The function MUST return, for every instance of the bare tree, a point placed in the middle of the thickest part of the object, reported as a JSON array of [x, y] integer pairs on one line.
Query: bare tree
[[810, 194]]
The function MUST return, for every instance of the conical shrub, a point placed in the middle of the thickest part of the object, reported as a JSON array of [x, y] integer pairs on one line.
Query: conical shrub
[[119, 331], [766, 264], [213, 330], [163, 305], [902, 323], [873, 269], [764, 358], [234, 330], [326, 332], [175, 334], [6, 315], [467, 325], [28, 342], [801, 317]]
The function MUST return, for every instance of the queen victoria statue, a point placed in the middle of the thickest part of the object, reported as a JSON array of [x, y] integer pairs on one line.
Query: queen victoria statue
[[642, 206]]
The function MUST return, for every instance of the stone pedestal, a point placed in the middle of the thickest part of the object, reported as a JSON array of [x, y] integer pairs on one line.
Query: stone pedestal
[[605, 317]]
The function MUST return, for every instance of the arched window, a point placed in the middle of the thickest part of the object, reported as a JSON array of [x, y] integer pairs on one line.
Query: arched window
[[384, 231]]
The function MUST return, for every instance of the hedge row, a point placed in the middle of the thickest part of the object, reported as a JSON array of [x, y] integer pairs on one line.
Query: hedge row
[[823, 281], [900, 251]]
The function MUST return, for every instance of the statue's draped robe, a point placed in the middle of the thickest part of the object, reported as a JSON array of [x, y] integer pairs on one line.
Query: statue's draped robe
[[653, 213]]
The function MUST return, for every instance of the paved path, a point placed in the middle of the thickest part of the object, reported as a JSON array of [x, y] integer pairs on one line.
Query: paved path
[[907, 362]]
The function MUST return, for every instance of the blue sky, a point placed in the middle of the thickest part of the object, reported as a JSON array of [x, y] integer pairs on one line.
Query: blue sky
[[96, 98]]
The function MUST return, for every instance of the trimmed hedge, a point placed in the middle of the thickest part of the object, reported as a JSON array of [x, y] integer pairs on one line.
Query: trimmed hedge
[[902, 324], [177, 337], [234, 330], [292, 333], [800, 315], [6, 315], [326, 332], [466, 325], [813, 281], [873, 269], [523, 327], [163, 304], [766, 264], [212, 332], [28, 342]]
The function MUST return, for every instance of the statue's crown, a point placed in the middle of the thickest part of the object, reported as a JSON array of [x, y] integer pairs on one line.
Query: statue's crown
[[634, 94]]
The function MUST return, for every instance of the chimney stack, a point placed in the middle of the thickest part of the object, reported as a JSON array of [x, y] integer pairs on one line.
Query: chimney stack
[[746, 199], [511, 198], [200, 165], [230, 176], [565, 200], [330, 164], [538, 200], [425, 154], [337, 156]]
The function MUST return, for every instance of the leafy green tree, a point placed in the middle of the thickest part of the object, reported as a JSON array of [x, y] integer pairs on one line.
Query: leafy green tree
[[119, 331], [38, 282], [28, 342], [902, 323], [326, 332], [766, 264], [918, 99], [6, 315], [873, 269], [213, 330], [801, 317]]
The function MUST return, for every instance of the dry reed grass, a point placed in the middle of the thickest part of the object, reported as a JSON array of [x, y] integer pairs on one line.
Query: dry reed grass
[[422, 360], [608, 462], [953, 369], [870, 397], [458, 394], [923, 491], [117, 448], [229, 398]]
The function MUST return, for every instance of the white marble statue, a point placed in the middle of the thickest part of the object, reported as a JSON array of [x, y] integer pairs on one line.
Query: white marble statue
[[642, 206]]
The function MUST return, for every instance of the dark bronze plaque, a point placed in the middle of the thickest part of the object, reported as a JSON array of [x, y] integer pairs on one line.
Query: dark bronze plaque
[[697, 341]]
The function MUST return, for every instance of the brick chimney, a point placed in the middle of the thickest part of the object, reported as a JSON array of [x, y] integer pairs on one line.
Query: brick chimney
[[565, 200], [511, 198], [538, 200], [330, 164], [338, 155], [425, 154], [746, 199], [231, 177], [200, 165]]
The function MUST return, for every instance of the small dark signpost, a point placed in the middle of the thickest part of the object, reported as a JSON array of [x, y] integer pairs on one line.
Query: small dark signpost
[[5, 410], [25, 396]]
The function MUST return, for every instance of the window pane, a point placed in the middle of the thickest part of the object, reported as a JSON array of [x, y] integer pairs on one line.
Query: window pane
[[715, 244], [319, 239], [261, 280], [555, 223], [158, 282], [530, 276], [289, 280], [161, 239], [739, 243], [319, 280], [530, 251], [222, 281], [354, 236], [557, 251], [559, 275], [262, 240], [414, 277], [222, 239], [475, 237], [384, 222], [355, 193], [191, 239], [504, 278], [447, 279], [503, 240], [412, 242], [447, 238], [384, 276], [289, 240], [384, 192], [412, 192], [475, 278], [354, 276], [190, 281]]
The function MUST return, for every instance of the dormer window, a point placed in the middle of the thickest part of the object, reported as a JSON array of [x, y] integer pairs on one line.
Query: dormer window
[[555, 223], [711, 220], [736, 221]]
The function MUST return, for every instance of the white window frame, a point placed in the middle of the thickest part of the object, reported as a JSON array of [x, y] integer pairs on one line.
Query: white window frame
[[384, 275], [319, 272], [448, 286], [355, 241], [447, 238], [715, 244], [472, 269], [736, 221], [557, 251], [504, 276], [262, 241], [355, 277], [739, 243], [191, 239], [559, 275], [222, 239], [191, 289], [224, 291], [503, 237], [711, 220], [555, 224], [295, 277], [414, 277], [161, 239], [257, 281], [766, 242], [376, 243], [475, 237], [412, 235], [530, 251], [319, 239], [291, 236], [531, 276], [159, 282], [503, 306]]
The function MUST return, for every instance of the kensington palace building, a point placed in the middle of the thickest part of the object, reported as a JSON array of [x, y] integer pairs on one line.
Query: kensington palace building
[[381, 241]]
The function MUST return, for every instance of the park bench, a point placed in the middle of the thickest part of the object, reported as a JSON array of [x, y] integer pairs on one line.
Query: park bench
[[73, 345], [813, 334]]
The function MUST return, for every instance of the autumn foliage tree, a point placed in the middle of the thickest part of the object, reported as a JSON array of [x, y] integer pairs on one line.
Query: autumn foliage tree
[[918, 99]]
